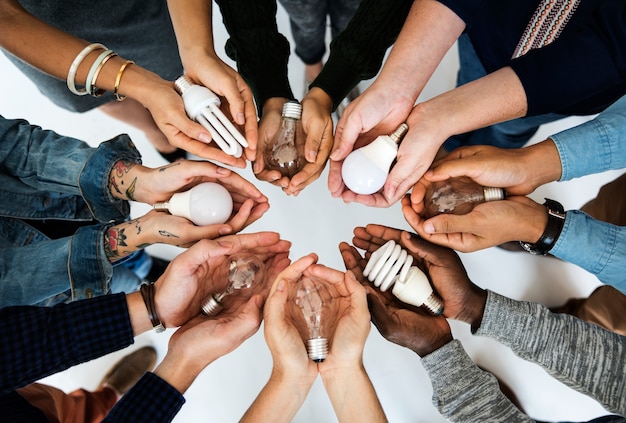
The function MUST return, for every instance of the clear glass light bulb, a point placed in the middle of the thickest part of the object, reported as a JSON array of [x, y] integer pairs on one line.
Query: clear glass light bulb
[[208, 203], [285, 151], [312, 305], [457, 196], [391, 265], [365, 170], [244, 271]]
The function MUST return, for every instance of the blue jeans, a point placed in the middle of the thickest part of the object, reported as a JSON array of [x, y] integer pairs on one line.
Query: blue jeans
[[511, 134], [49, 177], [308, 24]]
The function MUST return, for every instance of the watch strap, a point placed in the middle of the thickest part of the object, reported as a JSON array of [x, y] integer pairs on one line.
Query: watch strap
[[556, 220]]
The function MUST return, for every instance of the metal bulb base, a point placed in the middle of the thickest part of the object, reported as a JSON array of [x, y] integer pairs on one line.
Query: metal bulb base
[[317, 349], [433, 304], [211, 307]]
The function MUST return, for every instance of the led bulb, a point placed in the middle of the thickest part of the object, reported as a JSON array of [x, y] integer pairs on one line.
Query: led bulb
[[244, 271], [313, 306], [365, 170], [285, 151], [391, 265], [208, 203], [457, 196], [203, 106]]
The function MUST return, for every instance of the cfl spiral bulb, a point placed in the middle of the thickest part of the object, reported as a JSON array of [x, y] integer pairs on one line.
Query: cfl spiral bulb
[[392, 265], [285, 151], [365, 170], [457, 195], [312, 306], [202, 105], [243, 273], [208, 203]]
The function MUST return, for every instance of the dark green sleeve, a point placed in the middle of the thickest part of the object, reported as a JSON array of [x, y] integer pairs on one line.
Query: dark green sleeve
[[261, 52], [358, 52]]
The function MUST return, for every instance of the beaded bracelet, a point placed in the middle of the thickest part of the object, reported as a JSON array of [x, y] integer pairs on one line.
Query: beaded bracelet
[[147, 293], [118, 79], [71, 75], [95, 71]]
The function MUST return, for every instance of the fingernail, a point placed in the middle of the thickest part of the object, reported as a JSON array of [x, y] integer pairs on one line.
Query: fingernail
[[334, 155], [223, 170], [281, 285], [311, 156], [225, 230], [204, 137], [429, 228], [241, 118]]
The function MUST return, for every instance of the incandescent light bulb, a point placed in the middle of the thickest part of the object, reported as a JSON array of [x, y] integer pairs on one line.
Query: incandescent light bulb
[[244, 271], [392, 265], [313, 302], [285, 151], [207, 203], [203, 106], [457, 195], [365, 170]]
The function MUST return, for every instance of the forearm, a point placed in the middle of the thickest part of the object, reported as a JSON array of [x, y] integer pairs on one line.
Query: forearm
[[279, 400], [464, 393], [192, 21], [429, 32], [579, 354], [343, 385], [604, 255]]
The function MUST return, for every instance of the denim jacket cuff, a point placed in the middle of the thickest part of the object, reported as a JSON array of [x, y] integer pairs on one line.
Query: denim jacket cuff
[[94, 178], [89, 268]]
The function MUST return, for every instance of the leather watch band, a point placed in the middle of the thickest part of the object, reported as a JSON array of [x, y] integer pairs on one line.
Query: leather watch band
[[556, 220]]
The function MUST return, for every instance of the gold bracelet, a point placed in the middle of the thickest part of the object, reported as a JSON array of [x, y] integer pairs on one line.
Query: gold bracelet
[[116, 88]]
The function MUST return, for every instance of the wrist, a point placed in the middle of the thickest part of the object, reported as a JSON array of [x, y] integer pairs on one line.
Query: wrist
[[473, 306], [274, 104], [178, 371], [319, 96], [544, 163], [554, 219], [424, 349], [124, 180]]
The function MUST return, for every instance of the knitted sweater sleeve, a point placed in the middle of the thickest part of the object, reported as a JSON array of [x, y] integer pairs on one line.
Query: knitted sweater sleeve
[[358, 52], [261, 52], [583, 356]]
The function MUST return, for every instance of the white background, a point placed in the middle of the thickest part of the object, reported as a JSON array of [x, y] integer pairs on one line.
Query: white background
[[315, 222]]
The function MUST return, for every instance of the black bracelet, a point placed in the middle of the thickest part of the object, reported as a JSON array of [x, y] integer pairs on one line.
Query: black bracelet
[[556, 220], [147, 293]]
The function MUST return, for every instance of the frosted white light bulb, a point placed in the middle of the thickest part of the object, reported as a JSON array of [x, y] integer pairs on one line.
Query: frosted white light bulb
[[365, 170], [391, 265], [203, 106], [207, 203], [244, 271], [310, 302]]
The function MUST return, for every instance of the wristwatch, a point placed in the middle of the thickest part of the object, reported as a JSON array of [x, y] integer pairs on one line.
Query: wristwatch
[[556, 220]]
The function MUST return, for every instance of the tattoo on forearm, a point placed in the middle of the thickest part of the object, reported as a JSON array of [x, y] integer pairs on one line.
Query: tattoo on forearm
[[116, 179], [114, 239], [130, 191], [164, 168], [167, 234]]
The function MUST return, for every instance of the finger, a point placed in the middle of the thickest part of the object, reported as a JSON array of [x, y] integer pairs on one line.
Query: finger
[[295, 270], [348, 129], [335, 181]]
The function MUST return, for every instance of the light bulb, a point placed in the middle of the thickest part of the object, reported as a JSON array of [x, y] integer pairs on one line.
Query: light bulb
[[207, 203], [313, 306], [392, 265], [244, 271], [285, 150], [365, 170], [203, 106], [457, 196]]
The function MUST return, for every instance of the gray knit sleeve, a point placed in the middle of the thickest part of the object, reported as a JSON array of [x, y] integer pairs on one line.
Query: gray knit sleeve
[[583, 356], [462, 392]]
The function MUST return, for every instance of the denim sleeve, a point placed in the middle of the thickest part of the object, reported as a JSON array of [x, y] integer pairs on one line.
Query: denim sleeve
[[604, 254], [581, 355], [358, 52], [464, 393], [48, 161], [77, 263], [594, 146], [151, 400]]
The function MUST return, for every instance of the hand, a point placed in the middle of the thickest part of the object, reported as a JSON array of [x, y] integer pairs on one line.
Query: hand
[[213, 73], [463, 300], [377, 111], [191, 276], [317, 124], [487, 225]]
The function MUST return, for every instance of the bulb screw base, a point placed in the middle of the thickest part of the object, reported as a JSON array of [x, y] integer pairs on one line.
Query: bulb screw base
[[493, 193], [317, 349], [399, 133], [433, 304], [292, 110], [182, 84], [211, 307], [161, 207]]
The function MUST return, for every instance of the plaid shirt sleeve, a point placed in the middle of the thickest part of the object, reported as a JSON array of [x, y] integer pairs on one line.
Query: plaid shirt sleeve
[[40, 341], [151, 400]]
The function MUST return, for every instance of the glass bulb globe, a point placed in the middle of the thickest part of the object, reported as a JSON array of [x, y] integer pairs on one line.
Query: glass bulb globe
[[391, 265], [313, 304], [457, 195], [285, 151], [244, 271], [365, 170], [208, 203]]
